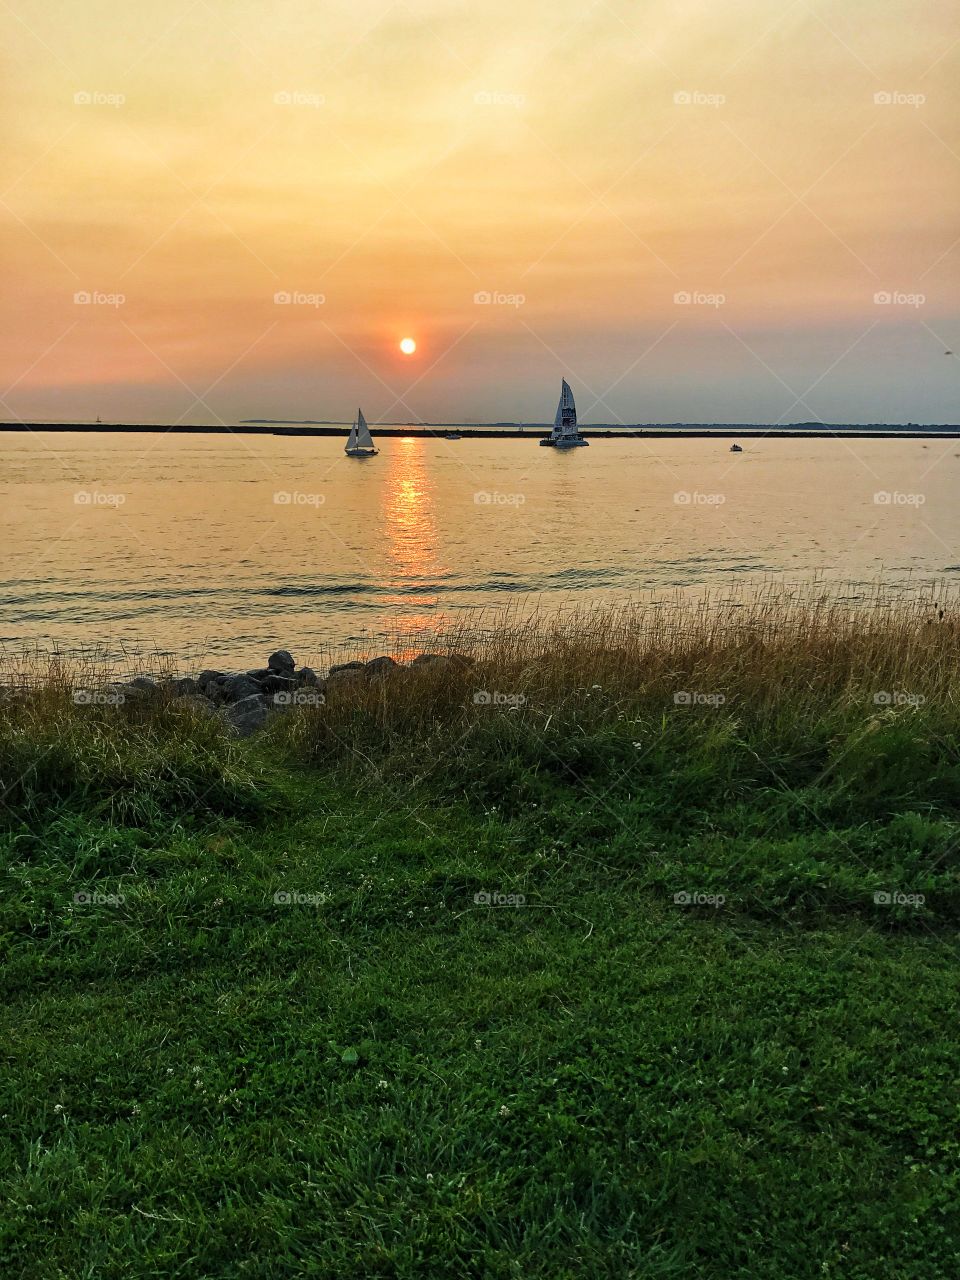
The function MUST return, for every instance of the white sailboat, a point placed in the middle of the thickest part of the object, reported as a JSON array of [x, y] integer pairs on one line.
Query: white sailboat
[[565, 434], [360, 442]]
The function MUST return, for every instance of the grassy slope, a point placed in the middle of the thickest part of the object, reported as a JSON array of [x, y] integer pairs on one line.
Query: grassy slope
[[396, 1082], [598, 1083]]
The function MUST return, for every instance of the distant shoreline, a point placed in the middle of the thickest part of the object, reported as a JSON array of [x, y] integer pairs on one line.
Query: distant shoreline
[[511, 431]]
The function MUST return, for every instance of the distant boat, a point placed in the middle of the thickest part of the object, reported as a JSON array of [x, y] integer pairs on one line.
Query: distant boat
[[360, 442], [565, 434], [452, 435], [735, 448]]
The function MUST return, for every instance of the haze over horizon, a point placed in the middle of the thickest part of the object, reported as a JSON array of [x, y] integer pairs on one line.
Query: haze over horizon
[[737, 216]]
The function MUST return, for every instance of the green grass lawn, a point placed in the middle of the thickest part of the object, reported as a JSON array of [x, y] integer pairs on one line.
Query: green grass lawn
[[389, 1079]]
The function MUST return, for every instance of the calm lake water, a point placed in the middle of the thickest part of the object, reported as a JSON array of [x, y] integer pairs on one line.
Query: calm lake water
[[232, 546]]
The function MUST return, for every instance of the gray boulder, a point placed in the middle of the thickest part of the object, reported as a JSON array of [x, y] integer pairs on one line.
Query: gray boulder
[[247, 715], [354, 673], [197, 702], [282, 662], [210, 682], [276, 683], [449, 661], [238, 688], [345, 666], [381, 666], [185, 687], [307, 678]]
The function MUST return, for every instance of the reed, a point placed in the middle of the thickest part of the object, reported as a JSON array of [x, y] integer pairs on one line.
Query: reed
[[779, 660], [804, 681]]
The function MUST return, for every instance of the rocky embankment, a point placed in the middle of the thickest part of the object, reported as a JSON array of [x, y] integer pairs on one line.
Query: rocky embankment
[[246, 699]]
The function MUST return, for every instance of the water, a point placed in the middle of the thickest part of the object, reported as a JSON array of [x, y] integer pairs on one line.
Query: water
[[182, 546]]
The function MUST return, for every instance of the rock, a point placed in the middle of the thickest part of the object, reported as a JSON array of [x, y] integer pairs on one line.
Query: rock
[[260, 674], [444, 659], [115, 694], [144, 684], [197, 702], [348, 673], [276, 683], [239, 688], [185, 687], [307, 678], [381, 666], [282, 662], [210, 682], [247, 715], [346, 666]]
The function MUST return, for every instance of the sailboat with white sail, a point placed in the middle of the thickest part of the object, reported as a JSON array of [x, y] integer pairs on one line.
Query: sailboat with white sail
[[360, 442], [565, 434]]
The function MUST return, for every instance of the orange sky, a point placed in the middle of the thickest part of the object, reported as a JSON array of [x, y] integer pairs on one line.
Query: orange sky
[[586, 165]]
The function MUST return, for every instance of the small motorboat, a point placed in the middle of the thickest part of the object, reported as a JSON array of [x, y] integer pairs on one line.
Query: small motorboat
[[735, 448]]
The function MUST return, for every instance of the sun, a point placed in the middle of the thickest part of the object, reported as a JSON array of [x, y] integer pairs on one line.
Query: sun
[[408, 346]]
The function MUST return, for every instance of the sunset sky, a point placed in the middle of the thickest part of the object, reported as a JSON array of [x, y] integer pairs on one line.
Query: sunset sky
[[382, 164]]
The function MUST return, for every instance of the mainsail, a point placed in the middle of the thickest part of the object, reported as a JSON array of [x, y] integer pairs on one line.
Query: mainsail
[[364, 438], [565, 423], [360, 437]]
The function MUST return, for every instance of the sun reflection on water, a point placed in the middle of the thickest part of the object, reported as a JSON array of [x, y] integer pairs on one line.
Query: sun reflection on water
[[411, 541]]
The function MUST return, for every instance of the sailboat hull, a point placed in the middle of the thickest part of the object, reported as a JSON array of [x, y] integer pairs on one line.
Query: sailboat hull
[[564, 444], [361, 453]]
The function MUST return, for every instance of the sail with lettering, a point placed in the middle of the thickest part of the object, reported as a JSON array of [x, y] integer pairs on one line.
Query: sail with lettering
[[565, 434]]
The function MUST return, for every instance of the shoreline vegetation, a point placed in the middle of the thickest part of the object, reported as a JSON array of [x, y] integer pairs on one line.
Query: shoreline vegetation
[[621, 943]]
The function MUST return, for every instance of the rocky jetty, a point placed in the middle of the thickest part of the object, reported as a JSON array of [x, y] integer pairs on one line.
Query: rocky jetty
[[246, 699]]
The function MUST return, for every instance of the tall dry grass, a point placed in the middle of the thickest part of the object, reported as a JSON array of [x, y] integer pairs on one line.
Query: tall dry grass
[[785, 670]]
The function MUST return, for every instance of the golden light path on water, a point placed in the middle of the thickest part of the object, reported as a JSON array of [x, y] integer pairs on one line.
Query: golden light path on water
[[410, 536]]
